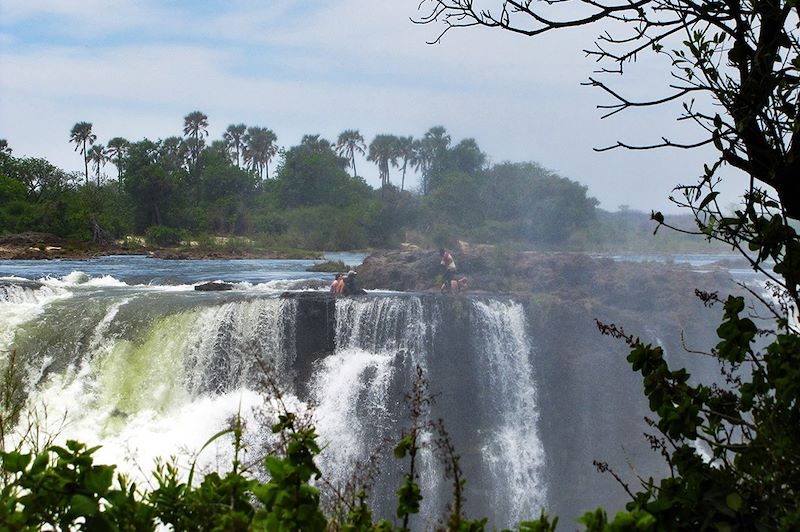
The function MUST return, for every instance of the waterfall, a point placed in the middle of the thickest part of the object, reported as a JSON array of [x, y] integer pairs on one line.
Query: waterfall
[[149, 372], [148, 380], [358, 389], [512, 448]]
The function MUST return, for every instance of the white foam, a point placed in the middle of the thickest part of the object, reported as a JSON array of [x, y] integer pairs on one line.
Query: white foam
[[21, 305], [513, 452], [349, 389]]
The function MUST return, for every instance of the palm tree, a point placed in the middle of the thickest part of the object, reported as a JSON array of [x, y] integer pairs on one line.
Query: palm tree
[[316, 143], [405, 152], [97, 155], [260, 149], [195, 126], [233, 137], [348, 144], [430, 152], [382, 151], [81, 134], [116, 150], [437, 136], [174, 153]]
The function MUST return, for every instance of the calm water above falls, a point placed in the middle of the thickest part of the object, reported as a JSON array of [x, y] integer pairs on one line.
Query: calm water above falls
[[138, 269]]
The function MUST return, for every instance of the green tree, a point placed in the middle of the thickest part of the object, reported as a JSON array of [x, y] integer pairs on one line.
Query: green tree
[[41, 179], [225, 191], [154, 189], [406, 156], [349, 143], [260, 149], [312, 174], [466, 156], [97, 156], [431, 151], [116, 150], [195, 127], [383, 151], [4, 147], [81, 134], [174, 154], [234, 137]]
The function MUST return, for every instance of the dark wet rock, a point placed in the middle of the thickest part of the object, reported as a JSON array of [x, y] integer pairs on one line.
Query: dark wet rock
[[10, 289], [214, 286], [22, 283]]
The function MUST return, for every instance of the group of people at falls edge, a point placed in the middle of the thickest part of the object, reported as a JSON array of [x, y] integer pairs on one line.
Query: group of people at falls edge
[[346, 284]]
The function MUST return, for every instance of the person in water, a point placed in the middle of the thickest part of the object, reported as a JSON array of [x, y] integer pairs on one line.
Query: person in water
[[449, 265], [336, 284], [340, 286]]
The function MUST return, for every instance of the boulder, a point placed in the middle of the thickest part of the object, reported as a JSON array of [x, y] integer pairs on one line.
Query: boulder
[[214, 286]]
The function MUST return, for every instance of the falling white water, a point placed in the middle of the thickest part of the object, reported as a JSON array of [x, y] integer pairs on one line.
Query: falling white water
[[20, 305], [230, 345], [165, 390], [350, 390], [513, 450], [390, 324], [357, 390], [351, 386]]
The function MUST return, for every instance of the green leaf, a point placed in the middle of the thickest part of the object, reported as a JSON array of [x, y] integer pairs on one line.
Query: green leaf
[[99, 478], [40, 463], [82, 505], [734, 501], [717, 140], [403, 447], [708, 199], [15, 462]]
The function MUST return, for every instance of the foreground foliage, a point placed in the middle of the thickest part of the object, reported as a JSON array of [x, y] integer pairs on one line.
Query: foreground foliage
[[61, 488]]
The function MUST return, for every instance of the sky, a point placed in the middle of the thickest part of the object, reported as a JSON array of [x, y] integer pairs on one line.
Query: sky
[[135, 68]]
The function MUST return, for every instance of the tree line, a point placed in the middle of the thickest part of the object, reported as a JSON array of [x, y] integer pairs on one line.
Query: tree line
[[309, 195]]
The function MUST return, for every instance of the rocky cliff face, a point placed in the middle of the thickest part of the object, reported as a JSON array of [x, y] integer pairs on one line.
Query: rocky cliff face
[[591, 402]]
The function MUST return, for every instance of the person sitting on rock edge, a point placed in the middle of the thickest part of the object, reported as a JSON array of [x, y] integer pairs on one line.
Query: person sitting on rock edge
[[335, 284], [340, 286], [351, 288]]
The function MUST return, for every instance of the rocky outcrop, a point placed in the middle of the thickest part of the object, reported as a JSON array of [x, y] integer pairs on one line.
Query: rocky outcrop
[[21, 283], [568, 275], [10, 290], [214, 286]]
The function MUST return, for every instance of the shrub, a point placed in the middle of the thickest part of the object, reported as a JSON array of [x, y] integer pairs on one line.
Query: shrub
[[331, 266], [160, 235]]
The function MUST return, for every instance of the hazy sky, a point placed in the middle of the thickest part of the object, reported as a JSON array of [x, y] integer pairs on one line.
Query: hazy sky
[[135, 68]]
